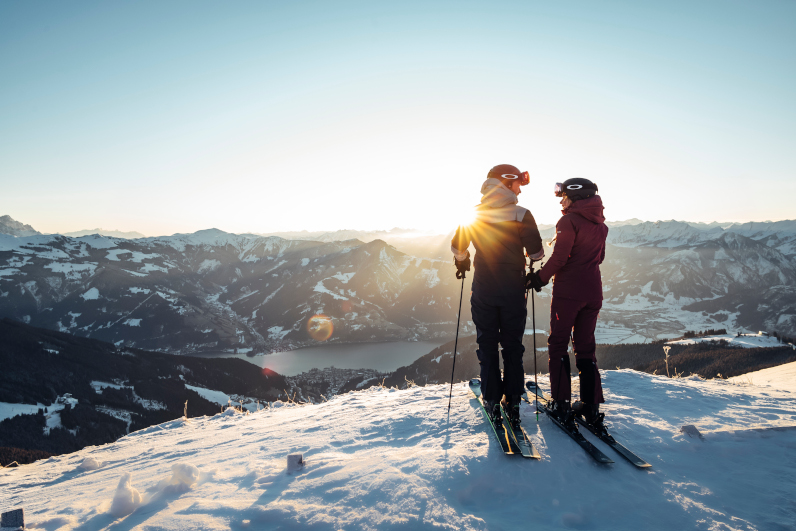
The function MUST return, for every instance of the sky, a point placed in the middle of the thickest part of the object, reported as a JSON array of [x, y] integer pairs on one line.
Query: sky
[[165, 117]]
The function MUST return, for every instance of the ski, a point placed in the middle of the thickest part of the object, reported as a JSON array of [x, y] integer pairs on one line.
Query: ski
[[610, 441], [500, 432], [590, 449], [519, 438]]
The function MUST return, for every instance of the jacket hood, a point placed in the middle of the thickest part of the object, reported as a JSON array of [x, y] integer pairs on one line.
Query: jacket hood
[[496, 194], [590, 209]]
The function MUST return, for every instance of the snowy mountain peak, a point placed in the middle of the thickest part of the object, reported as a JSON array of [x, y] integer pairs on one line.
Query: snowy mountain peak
[[12, 227]]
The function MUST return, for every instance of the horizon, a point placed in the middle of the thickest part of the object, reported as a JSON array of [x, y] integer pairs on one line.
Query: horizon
[[418, 231], [269, 118]]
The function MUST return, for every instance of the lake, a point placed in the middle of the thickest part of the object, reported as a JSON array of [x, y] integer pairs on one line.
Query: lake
[[383, 357]]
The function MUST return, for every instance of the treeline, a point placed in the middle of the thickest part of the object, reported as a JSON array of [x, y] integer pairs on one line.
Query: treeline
[[722, 362], [707, 359], [709, 332], [40, 365]]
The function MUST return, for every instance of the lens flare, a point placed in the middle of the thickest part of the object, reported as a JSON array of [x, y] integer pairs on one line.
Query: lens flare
[[320, 327]]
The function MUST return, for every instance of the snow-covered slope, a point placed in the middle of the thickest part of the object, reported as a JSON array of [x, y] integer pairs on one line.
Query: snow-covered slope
[[780, 377], [744, 340], [389, 459]]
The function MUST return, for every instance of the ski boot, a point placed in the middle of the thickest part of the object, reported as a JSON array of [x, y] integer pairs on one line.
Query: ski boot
[[511, 405], [591, 414], [564, 414], [493, 410]]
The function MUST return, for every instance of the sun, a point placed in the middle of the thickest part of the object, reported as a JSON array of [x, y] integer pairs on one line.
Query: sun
[[467, 217]]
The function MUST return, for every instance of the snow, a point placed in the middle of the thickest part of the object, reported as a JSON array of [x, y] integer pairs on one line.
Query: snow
[[780, 377], [217, 397], [113, 255], [132, 322], [320, 288], [745, 340], [126, 499], [208, 265], [344, 277], [98, 386], [89, 463], [149, 267], [139, 290], [277, 333], [305, 261], [97, 241], [70, 270], [9, 410], [91, 295], [431, 276], [407, 464]]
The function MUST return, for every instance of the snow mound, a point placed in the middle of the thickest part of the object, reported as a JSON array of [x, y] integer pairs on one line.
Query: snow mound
[[89, 463], [396, 459], [184, 474], [126, 499]]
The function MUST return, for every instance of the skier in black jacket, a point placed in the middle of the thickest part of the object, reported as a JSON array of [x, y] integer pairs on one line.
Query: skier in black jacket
[[498, 302]]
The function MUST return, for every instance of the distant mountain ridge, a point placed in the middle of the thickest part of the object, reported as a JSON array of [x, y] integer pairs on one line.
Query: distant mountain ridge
[[213, 290], [130, 235]]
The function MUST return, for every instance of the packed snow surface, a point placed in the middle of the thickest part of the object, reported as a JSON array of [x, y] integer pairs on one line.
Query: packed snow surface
[[389, 459]]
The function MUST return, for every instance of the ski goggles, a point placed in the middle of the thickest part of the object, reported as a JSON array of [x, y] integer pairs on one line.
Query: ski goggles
[[524, 177], [558, 190]]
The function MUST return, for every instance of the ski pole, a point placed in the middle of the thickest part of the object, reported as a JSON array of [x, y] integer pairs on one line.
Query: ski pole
[[533, 319], [456, 343]]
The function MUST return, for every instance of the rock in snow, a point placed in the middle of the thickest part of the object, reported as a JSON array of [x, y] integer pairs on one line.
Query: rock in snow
[[390, 459]]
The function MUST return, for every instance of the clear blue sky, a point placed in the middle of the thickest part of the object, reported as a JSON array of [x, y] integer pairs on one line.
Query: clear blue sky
[[174, 116]]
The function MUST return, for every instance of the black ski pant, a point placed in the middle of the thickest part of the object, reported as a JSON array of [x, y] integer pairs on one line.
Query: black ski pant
[[578, 319], [500, 320]]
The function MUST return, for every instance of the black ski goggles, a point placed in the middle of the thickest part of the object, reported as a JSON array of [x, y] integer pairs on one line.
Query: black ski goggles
[[524, 177]]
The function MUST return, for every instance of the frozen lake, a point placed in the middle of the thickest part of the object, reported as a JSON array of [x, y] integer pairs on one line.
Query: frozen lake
[[385, 357]]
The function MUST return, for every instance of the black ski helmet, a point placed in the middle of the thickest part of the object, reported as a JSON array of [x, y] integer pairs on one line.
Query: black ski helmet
[[507, 174], [576, 188]]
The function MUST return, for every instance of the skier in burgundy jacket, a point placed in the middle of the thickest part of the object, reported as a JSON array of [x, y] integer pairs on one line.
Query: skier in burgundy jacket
[[577, 299]]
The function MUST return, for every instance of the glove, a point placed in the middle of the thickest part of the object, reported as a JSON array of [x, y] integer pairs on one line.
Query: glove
[[533, 281], [462, 266]]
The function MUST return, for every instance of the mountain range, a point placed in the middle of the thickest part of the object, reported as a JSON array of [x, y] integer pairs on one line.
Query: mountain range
[[216, 291]]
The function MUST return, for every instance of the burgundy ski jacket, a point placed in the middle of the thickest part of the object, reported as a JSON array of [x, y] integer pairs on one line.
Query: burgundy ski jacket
[[579, 251]]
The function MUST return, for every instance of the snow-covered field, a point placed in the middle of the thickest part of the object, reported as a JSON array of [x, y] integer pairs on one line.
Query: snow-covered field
[[389, 459], [744, 340]]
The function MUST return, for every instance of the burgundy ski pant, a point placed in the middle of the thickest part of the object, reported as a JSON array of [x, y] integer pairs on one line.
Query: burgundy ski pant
[[578, 319]]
